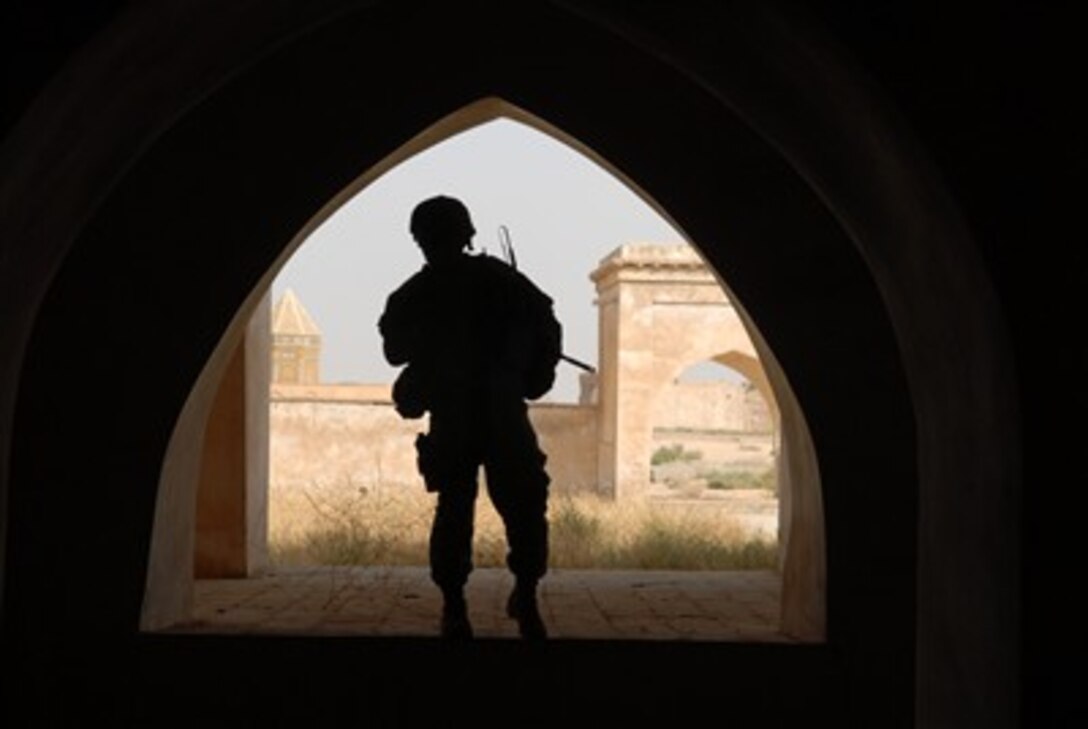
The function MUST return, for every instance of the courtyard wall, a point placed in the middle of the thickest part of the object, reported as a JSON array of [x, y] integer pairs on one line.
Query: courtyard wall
[[333, 437]]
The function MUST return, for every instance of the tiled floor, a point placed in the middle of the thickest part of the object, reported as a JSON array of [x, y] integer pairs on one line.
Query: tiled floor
[[576, 604]]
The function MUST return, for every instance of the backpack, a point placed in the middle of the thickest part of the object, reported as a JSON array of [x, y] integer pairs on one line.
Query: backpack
[[544, 340], [536, 336]]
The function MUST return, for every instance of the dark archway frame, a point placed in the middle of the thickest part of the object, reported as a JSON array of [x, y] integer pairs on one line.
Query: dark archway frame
[[204, 210]]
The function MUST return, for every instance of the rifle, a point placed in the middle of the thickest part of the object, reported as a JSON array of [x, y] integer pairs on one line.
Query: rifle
[[507, 248]]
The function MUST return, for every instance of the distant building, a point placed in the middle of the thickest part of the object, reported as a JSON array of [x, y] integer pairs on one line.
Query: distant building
[[296, 343]]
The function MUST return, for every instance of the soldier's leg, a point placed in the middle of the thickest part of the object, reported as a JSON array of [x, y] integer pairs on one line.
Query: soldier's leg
[[450, 470], [518, 486], [451, 554], [451, 535]]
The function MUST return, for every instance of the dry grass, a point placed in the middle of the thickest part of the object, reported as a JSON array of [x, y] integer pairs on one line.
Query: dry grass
[[346, 525]]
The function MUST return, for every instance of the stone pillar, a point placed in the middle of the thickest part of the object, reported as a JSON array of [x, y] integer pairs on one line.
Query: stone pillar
[[626, 360], [232, 494], [607, 415]]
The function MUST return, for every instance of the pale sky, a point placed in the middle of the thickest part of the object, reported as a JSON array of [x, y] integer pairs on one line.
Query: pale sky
[[563, 211]]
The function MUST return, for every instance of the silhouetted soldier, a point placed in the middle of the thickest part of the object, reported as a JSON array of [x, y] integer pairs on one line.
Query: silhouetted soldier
[[478, 339]]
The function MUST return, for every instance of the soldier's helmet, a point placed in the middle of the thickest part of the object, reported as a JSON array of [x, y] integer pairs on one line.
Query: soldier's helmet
[[442, 221]]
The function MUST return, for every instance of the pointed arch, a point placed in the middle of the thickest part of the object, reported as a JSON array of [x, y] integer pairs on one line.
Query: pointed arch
[[179, 481]]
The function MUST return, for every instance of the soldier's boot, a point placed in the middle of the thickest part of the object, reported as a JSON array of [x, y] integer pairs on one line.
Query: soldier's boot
[[522, 607], [455, 624]]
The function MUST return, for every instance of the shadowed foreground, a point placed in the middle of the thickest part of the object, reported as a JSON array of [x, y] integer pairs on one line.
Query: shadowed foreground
[[577, 604]]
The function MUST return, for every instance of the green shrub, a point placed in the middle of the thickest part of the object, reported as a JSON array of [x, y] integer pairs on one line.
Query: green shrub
[[727, 480], [675, 452]]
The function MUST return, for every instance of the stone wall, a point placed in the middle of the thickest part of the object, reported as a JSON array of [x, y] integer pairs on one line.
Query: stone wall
[[350, 437], [328, 436], [711, 406], [568, 435]]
